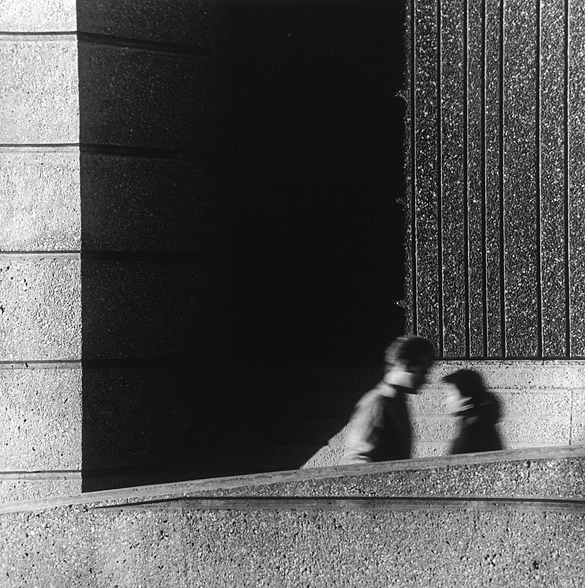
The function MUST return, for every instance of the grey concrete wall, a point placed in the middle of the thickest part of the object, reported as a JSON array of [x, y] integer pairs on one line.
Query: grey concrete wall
[[112, 241], [494, 181], [510, 519], [40, 241]]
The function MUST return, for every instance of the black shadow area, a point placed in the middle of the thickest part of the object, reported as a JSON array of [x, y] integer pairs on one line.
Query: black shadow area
[[244, 348], [318, 261]]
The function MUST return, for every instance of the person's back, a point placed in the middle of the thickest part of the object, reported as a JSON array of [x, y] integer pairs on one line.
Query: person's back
[[380, 428]]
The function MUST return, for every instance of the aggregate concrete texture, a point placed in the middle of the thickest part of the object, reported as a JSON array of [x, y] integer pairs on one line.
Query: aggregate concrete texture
[[41, 308], [40, 204], [298, 546], [257, 533], [40, 419], [39, 91], [28, 16]]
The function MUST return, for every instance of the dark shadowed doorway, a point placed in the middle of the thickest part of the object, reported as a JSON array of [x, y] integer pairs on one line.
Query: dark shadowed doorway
[[318, 133]]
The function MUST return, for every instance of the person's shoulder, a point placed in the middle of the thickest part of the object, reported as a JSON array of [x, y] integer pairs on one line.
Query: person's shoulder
[[373, 397]]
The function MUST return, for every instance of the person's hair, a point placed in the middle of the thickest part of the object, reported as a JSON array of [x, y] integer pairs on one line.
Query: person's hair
[[410, 349], [469, 383]]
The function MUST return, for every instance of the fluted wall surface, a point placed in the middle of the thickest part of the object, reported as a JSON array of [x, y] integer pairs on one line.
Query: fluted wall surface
[[494, 177]]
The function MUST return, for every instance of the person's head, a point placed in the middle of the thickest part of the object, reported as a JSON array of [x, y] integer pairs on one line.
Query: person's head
[[469, 383], [408, 361]]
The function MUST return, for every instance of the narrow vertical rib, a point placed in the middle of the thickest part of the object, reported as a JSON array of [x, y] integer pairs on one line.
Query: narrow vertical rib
[[538, 183], [413, 163], [465, 175], [501, 178], [483, 179], [567, 185], [440, 180]]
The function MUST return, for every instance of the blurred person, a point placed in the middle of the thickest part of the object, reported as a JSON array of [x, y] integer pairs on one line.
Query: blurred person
[[478, 411], [380, 428]]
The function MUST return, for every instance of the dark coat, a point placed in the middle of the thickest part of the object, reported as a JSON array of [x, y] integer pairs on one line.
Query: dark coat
[[380, 428], [477, 425]]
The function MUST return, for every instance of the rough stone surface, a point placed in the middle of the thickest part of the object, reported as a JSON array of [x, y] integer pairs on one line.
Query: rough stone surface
[[40, 205], [28, 16], [576, 179], [40, 308], [47, 485], [279, 532], [553, 190], [292, 547], [39, 92], [137, 98], [40, 419]]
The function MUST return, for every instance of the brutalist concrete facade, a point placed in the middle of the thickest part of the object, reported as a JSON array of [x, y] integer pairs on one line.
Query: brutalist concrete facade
[[134, 143], [108, 145]]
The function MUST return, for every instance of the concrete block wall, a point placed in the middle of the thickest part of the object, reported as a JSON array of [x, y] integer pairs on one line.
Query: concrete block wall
[[40, 243], [112, 233]]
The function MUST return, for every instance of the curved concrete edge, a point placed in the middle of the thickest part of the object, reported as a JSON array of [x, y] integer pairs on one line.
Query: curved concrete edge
[[176, 490]]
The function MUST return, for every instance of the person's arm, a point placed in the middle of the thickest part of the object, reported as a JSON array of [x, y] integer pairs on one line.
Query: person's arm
[[363, 433]]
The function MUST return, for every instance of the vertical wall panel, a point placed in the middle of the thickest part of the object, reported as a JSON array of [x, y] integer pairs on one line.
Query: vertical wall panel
[[552, 178], [508, 149], [520, 172], [452, 178], [475, 183], [427, 303], [577, 175], [493, 268]]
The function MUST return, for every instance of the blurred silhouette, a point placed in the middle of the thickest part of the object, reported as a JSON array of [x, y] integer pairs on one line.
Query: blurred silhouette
[[380, 427], [479, 411]]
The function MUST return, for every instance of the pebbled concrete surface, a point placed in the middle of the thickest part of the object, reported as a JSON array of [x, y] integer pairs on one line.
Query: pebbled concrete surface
[[40, 205], [39, 91], [116, 539]]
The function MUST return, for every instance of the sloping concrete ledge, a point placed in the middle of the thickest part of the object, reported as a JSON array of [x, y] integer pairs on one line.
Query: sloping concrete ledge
[[330, 527], [555, 472]]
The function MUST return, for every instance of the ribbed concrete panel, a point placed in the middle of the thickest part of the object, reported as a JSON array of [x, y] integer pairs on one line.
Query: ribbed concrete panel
[[40, 205], [41, 308], [576, 176], [39, 95], [124, 209], [133, 97], [518, 66], [189, 22], [453, 263], [493, 179], [28, 16], [140, 309], [520, 169], [553, 179], [475, 54], [426, 206], [40, 416]]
